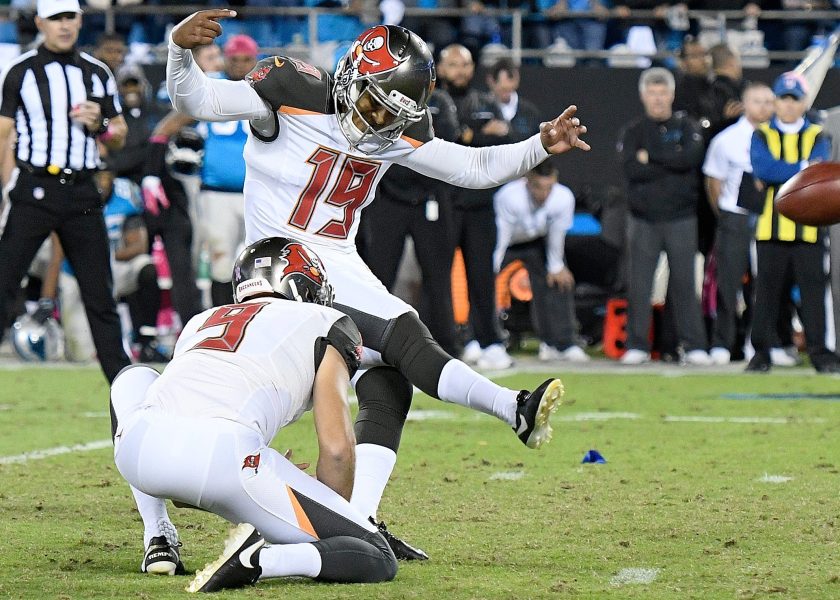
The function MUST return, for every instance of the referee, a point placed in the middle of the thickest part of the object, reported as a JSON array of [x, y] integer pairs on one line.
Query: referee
[[59, 102]]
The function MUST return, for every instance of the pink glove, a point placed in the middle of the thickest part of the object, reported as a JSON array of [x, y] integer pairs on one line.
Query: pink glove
[[154, 196]]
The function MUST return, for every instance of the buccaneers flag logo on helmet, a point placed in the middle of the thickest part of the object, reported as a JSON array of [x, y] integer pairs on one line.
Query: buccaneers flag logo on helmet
[[372, 53], [298, 260]]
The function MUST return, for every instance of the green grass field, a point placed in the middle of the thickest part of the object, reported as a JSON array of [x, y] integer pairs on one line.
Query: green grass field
[[691, 504]]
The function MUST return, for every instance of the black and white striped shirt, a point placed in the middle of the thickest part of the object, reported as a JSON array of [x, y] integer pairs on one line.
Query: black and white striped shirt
[[39, 89]]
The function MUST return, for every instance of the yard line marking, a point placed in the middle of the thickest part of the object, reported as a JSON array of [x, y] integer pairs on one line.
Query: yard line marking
[[598, 416], [429, 415], [48, 452], [634, 575], [506, 476], [5, 407], [774, 479], [786, 396], [96, 414], [743, 420]]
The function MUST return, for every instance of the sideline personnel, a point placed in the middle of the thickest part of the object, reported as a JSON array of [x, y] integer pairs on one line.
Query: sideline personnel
[[60, 101]]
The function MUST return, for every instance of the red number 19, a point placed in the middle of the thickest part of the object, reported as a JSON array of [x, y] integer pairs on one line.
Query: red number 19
[[351, 189]]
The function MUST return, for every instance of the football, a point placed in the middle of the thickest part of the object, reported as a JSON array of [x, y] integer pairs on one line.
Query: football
[[812, 196]]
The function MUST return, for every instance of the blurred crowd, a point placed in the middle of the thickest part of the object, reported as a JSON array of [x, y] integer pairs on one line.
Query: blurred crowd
[[635, 26]]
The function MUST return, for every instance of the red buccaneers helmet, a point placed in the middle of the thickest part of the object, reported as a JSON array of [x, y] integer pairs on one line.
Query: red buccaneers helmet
[[281, 267], [392, 65]]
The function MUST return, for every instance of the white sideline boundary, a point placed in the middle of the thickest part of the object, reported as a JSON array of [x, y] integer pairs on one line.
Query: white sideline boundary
[[58, 450]]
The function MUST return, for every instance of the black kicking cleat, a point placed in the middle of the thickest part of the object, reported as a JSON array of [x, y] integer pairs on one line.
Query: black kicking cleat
[[163, 556], [238, 565], [401, 549], [533, 411]]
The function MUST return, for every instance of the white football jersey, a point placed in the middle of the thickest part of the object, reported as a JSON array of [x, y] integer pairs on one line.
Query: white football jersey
[[305, 182], [253, 363]]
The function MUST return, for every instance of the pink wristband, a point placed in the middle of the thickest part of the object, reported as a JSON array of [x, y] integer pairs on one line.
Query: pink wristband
[[159, 139], [106, 135]]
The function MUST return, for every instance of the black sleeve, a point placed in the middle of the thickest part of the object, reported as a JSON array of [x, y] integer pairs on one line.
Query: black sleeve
[[284, 81], [422, 130], [10, 93], [630, 142], [444, 116], [487, 110], [344, 336], [109, 103]]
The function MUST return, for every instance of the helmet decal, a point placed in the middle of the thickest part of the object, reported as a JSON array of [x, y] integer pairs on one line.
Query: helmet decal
[[298, 260], [372, 52], [395, 69]]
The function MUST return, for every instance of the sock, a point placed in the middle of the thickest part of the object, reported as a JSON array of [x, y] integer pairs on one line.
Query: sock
[[290, 560], [374, 465], [459, 384], [152, 511]]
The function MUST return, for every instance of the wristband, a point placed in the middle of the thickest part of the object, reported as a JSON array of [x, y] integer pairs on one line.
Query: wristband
[[103, 127], [107, 135]]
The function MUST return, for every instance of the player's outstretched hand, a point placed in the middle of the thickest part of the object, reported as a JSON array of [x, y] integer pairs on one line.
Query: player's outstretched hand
[[200, 28], [563, 133]]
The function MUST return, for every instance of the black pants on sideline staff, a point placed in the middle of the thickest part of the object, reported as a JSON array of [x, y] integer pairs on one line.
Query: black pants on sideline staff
[[735, 233], [174, 227], [475, 234], [40, 205], [775, 260], [387, 226], [552, 309]]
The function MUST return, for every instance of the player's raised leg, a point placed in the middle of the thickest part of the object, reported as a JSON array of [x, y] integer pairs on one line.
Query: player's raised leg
[[392, 328]]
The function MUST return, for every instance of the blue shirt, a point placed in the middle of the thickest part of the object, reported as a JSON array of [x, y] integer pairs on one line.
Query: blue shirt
[[224, 165]]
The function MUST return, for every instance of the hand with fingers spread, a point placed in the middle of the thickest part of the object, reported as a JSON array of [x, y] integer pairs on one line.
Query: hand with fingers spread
[[200, 28], [563, 133]]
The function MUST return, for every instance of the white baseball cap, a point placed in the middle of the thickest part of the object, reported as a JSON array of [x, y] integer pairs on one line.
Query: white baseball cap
[[49, 8]]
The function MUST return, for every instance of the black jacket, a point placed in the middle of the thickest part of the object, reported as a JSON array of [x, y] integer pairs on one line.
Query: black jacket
[[666, 188], [475, 109], [525, 123], [404, 185], [128, 161], [721, 91]]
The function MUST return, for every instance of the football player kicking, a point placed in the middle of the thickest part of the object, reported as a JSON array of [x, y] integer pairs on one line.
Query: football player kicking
[[317, 147], [199, 433]]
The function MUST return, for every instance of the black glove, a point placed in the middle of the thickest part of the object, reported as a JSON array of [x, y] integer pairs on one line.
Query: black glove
[[45, 310]]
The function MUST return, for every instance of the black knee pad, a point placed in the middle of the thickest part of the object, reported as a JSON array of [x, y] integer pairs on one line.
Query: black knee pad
[[384, 396], [409, 346], [346, 559]]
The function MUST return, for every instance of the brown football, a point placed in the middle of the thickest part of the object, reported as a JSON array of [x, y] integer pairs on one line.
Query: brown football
[[812, 196]]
